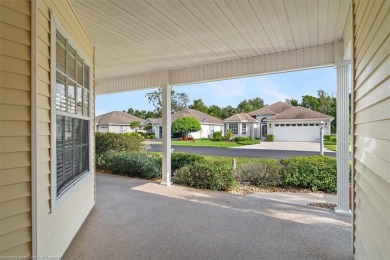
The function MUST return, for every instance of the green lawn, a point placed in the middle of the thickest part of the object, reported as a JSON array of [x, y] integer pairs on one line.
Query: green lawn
[[211, 143], [333, 147], [239, 160]]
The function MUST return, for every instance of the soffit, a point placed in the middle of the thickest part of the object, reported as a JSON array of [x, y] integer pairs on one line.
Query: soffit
[[143, 37]]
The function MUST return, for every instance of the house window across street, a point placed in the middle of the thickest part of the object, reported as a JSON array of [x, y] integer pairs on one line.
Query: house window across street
[[243, 129], [234, 128], [72, 114]]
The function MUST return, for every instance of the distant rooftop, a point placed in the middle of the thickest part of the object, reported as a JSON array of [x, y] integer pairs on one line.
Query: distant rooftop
[[116, 117]]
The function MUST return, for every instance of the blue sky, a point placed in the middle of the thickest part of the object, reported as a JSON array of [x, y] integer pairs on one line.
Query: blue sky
[[271, 88]]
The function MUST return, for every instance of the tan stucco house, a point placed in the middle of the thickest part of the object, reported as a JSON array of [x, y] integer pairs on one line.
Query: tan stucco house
[[56, 55], [117, 122]]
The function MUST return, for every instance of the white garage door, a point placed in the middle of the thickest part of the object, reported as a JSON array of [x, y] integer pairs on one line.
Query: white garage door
[[296, 132]]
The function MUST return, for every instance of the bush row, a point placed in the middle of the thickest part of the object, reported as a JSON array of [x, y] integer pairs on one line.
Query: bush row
[[112, 142], [312, 172]]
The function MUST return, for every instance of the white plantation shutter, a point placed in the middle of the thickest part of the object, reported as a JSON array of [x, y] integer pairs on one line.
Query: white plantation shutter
[[73, 119]]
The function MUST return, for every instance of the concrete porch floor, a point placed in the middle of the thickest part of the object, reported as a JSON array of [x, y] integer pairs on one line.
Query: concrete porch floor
[[138, 219]]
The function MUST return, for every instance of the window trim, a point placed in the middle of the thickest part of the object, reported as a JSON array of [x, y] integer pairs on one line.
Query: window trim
[[57, 200]]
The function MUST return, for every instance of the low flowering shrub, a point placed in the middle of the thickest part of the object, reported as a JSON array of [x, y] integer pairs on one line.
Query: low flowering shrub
[[214, 176]]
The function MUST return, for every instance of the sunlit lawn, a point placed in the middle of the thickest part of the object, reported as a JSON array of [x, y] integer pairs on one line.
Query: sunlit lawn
[[211, 143], [333, 147]]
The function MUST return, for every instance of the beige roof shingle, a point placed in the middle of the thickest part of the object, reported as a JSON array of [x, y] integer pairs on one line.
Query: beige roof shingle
[[300, 113], [116, 117], [200, 116], [273, 109], [243, 117]]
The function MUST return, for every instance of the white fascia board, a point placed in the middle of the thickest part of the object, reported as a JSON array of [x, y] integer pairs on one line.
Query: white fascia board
[[299, 120], [308, 58]]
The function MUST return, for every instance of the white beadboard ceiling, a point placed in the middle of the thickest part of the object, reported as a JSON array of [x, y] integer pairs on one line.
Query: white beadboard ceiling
[[136, 37]]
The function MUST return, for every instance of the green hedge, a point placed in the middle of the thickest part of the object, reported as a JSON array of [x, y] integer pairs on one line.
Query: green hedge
[[312, 172], [141, 165], [214, 176], [112, 142], [179, 160], [217, 136], [269, 138]]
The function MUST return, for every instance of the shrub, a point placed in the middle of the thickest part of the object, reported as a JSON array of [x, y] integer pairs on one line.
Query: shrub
[[330, 138], [242, 138], [112, 142], [312, 172], [267, 173], [217, 136], [179, 160], [103, 160], [269, 138], [215, 176], [229, 134], [142, 165], [249, 142], [150, 136]]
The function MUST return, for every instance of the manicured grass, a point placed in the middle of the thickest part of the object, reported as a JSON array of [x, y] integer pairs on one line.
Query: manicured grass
[[211, 143], [239, 160], [333, 147]]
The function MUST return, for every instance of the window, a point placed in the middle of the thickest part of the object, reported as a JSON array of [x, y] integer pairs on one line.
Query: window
[[234, 128], [277, 125], [121, 129], [287, 124], [311, 124], [299, 124], [72, 117], [243, 128]]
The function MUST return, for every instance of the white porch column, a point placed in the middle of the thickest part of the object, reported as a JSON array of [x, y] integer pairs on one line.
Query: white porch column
[[343, 138], [166, 128]]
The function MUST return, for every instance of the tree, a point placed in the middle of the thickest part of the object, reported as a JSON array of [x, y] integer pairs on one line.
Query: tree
[[250, 105], [185, 125], [179, 101], [134, 124], [215, 111], [227, 112], [130, 111], [310, 102], [198, 104], [292, 102]]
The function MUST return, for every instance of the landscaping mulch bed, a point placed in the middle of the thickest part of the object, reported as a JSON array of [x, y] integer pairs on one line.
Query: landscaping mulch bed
[[250, 189], [324, 205]]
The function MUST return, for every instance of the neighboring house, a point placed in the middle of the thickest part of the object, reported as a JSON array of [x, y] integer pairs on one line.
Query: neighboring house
[[263, 113], [242, 125], [284, 121], [208, 123], [116, 122], [152, 122], [298, 124]]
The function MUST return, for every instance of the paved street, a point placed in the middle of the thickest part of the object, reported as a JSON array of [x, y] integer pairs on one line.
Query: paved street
[[251, 153]]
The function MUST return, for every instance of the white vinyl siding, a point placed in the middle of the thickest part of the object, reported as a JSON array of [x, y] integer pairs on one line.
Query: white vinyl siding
[[15, 129], [371, 102], [57, 226]]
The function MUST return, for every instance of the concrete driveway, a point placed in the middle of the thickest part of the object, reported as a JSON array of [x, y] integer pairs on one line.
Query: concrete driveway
[[138, 219], [285, 146]]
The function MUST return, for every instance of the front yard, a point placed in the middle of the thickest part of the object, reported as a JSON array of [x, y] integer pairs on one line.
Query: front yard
[[212, 143]]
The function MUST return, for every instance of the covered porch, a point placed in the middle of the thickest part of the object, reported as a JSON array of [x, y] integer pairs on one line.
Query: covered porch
[[140, 219], [149, 44]]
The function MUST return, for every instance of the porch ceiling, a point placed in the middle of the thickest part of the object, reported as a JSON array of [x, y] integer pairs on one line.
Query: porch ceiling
[[143, 37]]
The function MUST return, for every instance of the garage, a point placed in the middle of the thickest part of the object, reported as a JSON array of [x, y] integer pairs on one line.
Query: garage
[[296, 132]]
